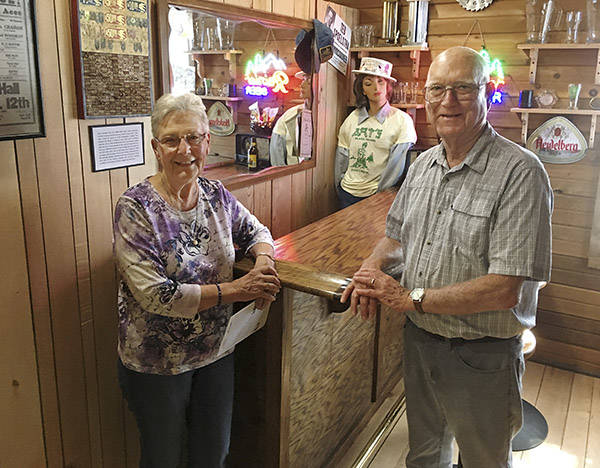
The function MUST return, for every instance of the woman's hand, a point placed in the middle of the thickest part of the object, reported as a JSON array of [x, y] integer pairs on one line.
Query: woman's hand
[[261, 284], [260, 261]]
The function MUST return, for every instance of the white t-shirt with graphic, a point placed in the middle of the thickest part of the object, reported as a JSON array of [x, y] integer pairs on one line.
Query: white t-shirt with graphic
[[369, 143]]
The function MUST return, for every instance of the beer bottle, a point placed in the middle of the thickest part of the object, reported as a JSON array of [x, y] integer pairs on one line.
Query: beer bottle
[[253, 155]]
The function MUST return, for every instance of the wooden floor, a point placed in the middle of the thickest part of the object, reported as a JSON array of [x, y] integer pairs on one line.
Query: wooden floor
[[571, 404]]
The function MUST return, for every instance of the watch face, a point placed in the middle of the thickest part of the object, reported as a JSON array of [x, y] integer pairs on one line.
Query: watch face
[[417, 294]]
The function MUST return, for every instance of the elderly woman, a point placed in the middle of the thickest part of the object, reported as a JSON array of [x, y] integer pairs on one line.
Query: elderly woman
[[175, 237], [374, 138]]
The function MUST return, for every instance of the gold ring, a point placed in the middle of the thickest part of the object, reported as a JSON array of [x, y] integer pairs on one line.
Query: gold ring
[[372, 283]]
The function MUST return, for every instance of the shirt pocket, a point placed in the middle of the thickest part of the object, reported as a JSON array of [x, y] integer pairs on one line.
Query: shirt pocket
[[471, 214]]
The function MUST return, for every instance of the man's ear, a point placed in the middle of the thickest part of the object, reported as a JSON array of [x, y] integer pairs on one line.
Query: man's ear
[[489, 93]]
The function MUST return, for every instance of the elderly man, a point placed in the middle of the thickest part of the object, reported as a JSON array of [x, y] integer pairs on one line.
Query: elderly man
[[472, 222]]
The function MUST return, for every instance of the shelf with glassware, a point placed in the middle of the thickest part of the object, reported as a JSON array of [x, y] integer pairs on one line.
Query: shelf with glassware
[[552, 111], [533, 52], [230, 56]]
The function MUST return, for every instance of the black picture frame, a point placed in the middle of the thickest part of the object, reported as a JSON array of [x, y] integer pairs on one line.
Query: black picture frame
[[108, 142], [21, 105]]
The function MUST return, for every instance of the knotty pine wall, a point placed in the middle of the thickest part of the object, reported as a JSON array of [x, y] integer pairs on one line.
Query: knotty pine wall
[[568, 330], [60, 405]]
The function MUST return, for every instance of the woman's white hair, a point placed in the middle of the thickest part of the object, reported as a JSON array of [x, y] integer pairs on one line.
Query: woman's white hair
[[168, 103]]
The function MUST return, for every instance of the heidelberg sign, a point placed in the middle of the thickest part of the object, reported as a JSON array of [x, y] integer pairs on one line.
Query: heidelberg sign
[[557, 141]]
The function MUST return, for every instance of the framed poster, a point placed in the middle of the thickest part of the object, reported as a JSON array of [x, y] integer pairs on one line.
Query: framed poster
[[21, 114], [117, 145], [111, 47]]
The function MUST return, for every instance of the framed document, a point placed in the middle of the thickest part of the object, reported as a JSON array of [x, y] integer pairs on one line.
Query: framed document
[[111, 47], [21, 113], [116, 146]]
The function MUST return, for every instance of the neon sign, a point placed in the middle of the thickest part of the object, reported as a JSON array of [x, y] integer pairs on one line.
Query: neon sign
[[258, 79], [496, 75]]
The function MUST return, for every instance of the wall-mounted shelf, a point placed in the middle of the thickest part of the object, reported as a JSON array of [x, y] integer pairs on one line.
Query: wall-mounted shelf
[[230, 57], [535, 48], [221, 98], [411, 109], [525, 119]]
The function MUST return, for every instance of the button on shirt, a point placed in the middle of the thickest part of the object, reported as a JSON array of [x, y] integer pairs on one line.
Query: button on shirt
[[491, 214]]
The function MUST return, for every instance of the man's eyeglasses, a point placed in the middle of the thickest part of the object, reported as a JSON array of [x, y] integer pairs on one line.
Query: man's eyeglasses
[[192, 139], [462, 91]]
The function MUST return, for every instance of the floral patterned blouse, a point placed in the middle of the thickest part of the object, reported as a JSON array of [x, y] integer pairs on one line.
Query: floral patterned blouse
[[163, 256]]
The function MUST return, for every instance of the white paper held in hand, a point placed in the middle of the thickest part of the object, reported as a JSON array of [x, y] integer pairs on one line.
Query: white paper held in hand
[[242, 324]]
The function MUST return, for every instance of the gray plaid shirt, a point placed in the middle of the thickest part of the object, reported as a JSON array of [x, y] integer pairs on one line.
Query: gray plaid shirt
[[490, 214]]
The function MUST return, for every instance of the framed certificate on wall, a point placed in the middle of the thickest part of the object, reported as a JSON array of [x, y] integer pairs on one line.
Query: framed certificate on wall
[[21, 114]]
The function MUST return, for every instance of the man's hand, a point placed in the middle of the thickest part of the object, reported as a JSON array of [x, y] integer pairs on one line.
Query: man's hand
[[377, 286]]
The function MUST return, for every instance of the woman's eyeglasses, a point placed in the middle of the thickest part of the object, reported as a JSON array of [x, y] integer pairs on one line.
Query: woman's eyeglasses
[[462, 91], [192, 139]]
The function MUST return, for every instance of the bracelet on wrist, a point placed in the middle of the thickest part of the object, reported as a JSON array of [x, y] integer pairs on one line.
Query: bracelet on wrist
[[219, 294]]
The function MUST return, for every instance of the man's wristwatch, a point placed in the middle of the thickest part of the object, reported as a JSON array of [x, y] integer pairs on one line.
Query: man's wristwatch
[[417, 295]]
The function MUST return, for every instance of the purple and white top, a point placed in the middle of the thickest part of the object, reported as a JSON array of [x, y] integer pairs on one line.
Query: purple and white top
[[163, 256]]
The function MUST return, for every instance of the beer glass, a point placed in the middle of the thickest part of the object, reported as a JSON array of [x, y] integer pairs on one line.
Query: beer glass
[[593, 20], [573, 21], [574, 90]]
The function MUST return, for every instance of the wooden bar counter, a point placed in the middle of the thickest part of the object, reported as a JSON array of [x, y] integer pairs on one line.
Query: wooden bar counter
[[308, 381]]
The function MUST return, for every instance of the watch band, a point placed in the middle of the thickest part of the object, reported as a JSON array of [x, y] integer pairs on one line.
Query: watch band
[[418, 306]]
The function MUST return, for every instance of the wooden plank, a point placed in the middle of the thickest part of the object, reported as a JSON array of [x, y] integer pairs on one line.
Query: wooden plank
[[572, 218], [91, 377], [578, 419], [570, 307], [574, 249], [571, 293], [38, 284], [564, 321], [281, 214], [103, 282], [593, 439], [568, 356], [262, 203], [299, 202], [283, 7], [264, 5], [21, 437], [57, 225], [563, 334], [245, 196], [553, 402], [580, 189], [532, 381], [302, 9]]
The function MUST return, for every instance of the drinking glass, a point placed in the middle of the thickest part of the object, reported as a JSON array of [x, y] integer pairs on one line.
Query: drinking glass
[[369, 33], [573, 21], [546, 20], [574, 90], [357, 36], [227, 29], [534, 20], [593, 21], [414, 92]]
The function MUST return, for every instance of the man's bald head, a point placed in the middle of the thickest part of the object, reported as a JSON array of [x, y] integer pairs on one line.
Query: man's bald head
[[463, 57]]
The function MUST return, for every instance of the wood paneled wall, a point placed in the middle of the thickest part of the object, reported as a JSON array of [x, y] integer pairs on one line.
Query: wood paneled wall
[[60, 404], [568, 328]]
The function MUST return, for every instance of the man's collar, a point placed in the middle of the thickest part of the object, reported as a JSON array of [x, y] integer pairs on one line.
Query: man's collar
[[477, 156], [383, 113]]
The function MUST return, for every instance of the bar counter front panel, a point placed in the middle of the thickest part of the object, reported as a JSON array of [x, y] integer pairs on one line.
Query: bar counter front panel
[[309, 380]]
